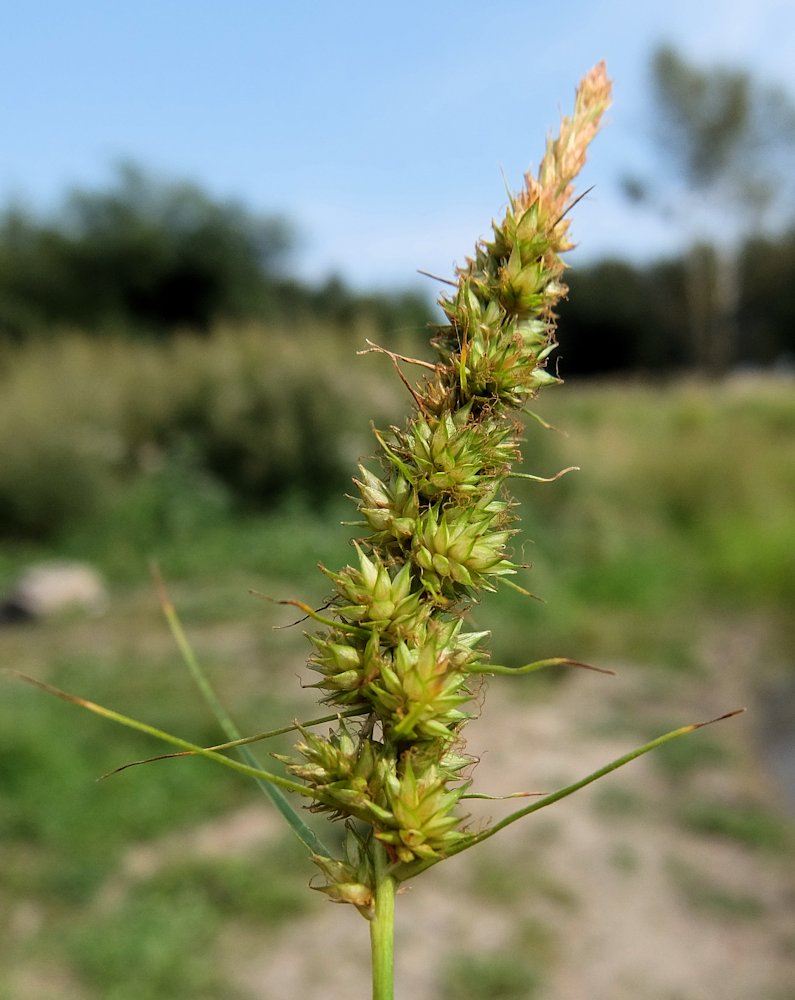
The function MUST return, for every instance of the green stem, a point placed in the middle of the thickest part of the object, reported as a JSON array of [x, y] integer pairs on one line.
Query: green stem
[[382, 929]]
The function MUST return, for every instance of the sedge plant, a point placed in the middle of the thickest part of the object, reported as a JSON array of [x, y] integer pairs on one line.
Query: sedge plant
[[395, 664]]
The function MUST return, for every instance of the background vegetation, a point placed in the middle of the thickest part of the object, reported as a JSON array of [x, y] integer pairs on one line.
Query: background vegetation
[[168, 391], [150, 259], [670, 550]]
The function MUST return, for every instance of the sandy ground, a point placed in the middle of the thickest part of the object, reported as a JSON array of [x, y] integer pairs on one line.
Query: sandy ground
[[607, 893]]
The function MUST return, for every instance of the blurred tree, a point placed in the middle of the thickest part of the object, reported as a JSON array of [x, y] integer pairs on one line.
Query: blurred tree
[[149, 256], [144, 254], [767, 309], [622, 318], [731, 142]]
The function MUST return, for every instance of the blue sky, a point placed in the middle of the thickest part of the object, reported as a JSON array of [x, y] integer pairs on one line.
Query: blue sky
[[381, 131]]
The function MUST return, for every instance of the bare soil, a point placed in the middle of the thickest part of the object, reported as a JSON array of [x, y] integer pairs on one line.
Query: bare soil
[[609, 895]]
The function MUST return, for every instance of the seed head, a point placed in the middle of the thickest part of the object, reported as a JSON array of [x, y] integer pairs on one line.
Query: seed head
[[437, 526]]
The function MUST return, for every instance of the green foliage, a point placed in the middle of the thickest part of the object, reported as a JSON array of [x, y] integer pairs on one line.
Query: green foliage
[[66, 839], [683, 496], [496, 976], [393, 644], [151, 256], [746, 823], [147, 256], [156, 945], [767, 306], [160, 940], [178, 431], [624, 859], [727, 139], [648, 458], [130, 807], [623, 317], [266, 887], [144, 254], [56, 485], [493, 877], [515, 971]]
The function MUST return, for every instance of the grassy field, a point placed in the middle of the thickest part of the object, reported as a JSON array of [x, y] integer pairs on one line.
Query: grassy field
[[669, 555]]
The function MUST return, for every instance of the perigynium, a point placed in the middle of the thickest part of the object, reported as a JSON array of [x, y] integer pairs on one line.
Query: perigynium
[[395, 662]]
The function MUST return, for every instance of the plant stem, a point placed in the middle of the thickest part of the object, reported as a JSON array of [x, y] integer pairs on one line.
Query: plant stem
[[382, 930]]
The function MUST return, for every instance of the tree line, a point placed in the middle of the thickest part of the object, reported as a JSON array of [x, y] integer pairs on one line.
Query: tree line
[[147, 257], [620, 317]]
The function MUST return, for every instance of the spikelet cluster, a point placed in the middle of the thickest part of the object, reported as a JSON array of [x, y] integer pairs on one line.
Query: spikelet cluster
[[437, 527]]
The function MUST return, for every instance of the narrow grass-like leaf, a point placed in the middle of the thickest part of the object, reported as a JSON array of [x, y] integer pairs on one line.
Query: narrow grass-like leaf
[[409, 871], [500, 798], [521, 590], [612, 766], [543, 479], [529, 668], [256, 738], [306, 835], [334, 623], [160, 734], [543, 423]]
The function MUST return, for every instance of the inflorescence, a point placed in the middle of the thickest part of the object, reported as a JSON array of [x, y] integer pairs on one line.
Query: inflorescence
[[395, 657]]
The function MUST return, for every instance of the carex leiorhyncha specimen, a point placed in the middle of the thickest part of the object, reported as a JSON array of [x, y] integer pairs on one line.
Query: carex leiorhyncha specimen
[[396, 656]]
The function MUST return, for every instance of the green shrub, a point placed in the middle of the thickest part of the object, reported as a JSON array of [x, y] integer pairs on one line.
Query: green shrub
[[252, 415]]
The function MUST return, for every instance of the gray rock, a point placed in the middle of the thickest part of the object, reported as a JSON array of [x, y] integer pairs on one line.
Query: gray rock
[[47, 589]]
